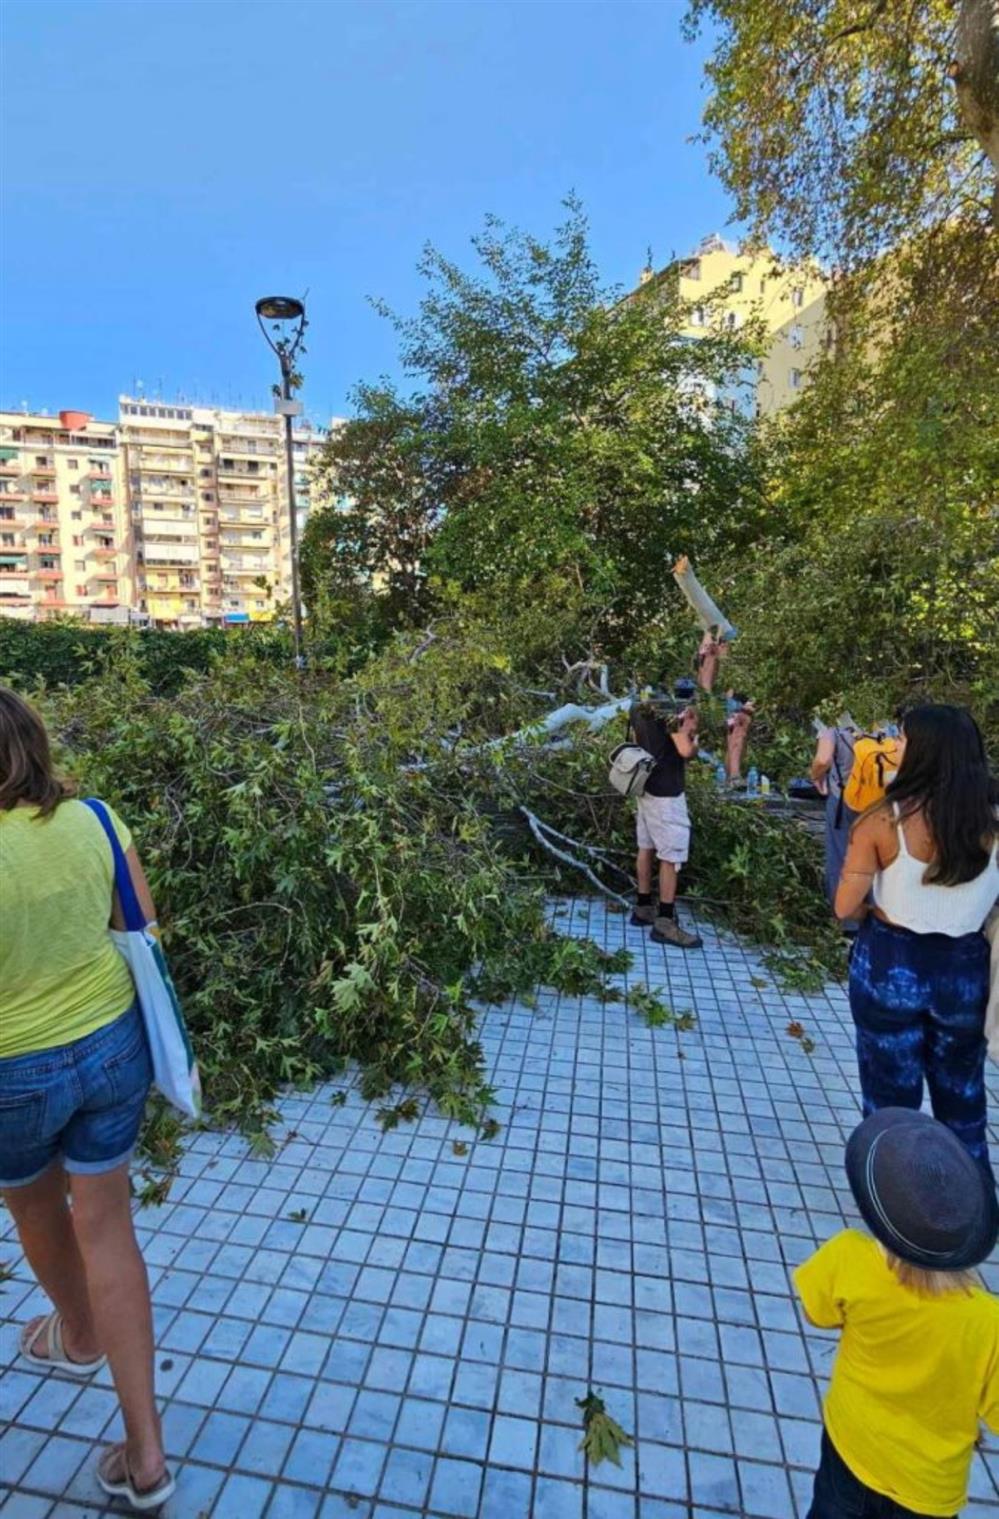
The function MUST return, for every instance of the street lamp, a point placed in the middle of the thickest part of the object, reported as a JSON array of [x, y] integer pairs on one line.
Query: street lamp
[[282, 322]]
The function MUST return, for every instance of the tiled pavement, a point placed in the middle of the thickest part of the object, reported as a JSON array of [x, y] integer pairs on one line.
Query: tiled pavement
[[415, 1346]]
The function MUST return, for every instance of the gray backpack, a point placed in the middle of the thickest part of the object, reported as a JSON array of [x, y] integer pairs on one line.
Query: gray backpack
[[630, 768]]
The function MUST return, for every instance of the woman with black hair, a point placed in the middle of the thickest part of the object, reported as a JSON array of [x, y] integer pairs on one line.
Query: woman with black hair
[[919, 975]]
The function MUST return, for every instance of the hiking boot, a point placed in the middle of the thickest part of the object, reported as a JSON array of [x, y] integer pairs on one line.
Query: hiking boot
[[668, 931], [643, 915]]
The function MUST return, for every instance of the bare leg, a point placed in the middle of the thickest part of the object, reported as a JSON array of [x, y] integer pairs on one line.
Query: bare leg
[[45, 1228], [738, 734], [643, 870], [119, 1297], [667, 881]]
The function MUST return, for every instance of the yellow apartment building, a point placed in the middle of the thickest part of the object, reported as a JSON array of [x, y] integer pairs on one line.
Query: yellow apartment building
[[726, 287], [64, 528]]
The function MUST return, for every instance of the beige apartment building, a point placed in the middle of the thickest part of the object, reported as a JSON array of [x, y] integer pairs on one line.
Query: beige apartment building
[[726, 287], [65, 546], [209, 509], [175, 515]]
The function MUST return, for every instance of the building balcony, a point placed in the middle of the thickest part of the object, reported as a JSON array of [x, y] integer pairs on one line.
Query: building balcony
[[17, 493], [105, 551], [244, 519], [167, 467], [47, 575], [9, 467], [45, 495], [103, 577], [99, 476], [42, 472]]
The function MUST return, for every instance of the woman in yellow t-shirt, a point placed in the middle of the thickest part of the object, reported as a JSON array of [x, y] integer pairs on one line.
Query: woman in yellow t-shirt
[[75, 1072], [918, 1359]]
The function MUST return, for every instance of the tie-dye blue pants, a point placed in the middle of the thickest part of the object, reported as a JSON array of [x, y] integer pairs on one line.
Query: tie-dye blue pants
[[918, 1003]]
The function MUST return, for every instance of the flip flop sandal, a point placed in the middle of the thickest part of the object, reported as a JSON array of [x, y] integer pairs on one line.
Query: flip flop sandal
[[141, 1500], [57, 1359]]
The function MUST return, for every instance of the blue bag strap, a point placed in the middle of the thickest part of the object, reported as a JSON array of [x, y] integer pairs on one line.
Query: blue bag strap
[[135, 918]]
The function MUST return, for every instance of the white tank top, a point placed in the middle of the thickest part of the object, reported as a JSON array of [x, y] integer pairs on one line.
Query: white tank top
[[902, 895]]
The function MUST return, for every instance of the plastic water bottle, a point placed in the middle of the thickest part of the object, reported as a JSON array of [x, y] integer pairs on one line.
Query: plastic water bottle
[[764, 785], [720, 778], [753, 782]]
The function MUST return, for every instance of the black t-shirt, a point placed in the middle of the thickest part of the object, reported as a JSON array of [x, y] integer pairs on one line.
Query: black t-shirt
[[652, 732]]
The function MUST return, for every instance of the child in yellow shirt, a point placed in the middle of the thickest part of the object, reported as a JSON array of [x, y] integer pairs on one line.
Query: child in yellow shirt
[[918, 1361]]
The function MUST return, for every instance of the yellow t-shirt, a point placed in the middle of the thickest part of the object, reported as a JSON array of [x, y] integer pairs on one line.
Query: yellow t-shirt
[[913, 1374], [60, 975]]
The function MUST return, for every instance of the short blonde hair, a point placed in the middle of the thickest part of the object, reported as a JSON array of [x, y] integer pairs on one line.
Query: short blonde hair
[[931, 1283]]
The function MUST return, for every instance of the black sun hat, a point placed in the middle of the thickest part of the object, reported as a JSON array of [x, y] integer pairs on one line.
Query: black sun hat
[[920, 1192]]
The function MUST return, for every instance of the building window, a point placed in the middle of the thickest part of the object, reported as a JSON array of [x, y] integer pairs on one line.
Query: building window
[[795, 379], [80, 566], [796, 336], [732, 321], [76, 516], [737, 282], [698, 316], [797, 298], [73, 463]]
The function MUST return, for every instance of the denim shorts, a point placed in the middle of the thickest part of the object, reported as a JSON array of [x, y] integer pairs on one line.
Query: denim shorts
[[79, 1103]]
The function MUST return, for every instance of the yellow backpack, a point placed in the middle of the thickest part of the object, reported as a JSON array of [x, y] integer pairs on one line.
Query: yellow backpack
[[876, 758]]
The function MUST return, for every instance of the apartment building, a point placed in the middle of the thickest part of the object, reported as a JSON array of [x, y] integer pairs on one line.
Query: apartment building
[[209, 510], [64, 528], [175, 515], [726, 287]]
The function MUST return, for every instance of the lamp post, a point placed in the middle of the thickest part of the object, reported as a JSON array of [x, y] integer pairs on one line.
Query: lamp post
[[282, 322]]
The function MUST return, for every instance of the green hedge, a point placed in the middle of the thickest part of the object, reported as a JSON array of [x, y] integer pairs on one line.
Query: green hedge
[[65, 652]]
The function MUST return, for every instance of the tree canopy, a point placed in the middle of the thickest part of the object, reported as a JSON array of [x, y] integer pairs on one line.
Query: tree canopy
[[842, 127], [556, 435]]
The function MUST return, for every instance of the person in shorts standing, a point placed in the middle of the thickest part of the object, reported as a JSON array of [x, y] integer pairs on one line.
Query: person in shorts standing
[[663, 822], [75, 1071]]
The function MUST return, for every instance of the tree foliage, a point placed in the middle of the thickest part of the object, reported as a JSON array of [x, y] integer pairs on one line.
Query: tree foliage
[[557, 442], [881, 579], [843, 127]]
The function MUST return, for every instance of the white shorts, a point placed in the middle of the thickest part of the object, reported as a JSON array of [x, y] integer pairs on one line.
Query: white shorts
[[663, 824]]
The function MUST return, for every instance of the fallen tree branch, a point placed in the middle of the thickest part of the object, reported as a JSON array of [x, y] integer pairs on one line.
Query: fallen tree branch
[[599, 854], [536, 827]]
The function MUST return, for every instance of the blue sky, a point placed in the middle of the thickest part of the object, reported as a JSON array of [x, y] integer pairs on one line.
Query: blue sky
[[167, 161]]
